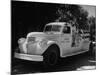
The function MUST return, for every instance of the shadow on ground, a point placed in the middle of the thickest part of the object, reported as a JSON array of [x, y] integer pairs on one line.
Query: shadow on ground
[[66, 64]]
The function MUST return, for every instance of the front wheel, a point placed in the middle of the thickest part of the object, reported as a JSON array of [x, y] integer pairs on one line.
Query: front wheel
[[51, 57]]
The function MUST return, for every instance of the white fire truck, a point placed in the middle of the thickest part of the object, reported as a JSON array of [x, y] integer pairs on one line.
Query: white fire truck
[[58, 40]]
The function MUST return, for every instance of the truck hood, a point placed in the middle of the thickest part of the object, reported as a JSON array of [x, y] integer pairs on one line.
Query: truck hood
[[36, 34], [43, 35]]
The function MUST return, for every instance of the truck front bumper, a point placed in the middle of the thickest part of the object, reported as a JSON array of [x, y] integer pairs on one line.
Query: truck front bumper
[[28, 57]]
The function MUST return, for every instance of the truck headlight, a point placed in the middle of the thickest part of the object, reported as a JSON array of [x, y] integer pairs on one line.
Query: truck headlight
[[21, 40]]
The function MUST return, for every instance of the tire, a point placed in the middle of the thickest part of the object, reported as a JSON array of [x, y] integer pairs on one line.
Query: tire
[[91, 49], [51, 57]]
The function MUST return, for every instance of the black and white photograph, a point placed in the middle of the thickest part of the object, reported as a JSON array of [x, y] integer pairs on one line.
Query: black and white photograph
[[52, 37]]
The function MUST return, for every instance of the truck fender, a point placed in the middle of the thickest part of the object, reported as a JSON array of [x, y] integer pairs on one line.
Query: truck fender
[[51, 43]]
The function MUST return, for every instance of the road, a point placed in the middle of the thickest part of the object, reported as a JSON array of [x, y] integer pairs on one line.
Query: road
[[73, 63]]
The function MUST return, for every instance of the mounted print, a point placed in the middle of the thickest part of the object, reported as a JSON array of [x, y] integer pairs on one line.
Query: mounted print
[[52, 37]]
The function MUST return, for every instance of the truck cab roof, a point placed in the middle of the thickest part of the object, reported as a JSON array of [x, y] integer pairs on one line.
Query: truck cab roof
[[57, 23]]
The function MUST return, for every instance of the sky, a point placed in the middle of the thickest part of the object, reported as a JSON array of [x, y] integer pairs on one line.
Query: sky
[[91, 10]]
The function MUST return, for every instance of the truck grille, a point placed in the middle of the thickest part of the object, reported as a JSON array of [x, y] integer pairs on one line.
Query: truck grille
[[31, 39], [31, 49]]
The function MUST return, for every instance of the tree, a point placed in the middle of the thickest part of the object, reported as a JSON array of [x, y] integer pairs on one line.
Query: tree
[[74, 14]]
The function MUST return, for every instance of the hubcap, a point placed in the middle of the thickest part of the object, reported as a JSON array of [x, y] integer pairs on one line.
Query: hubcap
[[52, 58]]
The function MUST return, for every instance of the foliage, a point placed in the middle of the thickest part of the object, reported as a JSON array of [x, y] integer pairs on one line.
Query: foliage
[[74, 14]]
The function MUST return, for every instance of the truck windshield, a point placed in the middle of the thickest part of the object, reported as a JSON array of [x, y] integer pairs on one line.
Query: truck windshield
[[48, 28], [55, 28]]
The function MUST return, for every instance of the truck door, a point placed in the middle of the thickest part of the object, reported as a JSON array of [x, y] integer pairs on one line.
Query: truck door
[[66, 40]]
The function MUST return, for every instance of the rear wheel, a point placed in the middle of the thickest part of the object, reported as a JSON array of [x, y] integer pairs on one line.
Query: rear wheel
[[91, 49], [51, 56]]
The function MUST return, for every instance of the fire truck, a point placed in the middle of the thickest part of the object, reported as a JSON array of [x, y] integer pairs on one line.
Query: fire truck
[[58, 40]]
